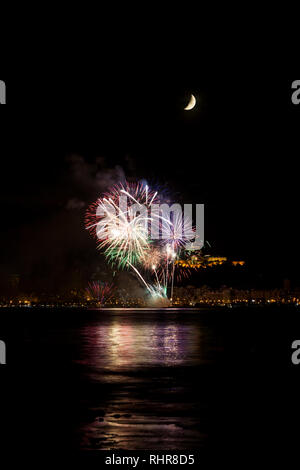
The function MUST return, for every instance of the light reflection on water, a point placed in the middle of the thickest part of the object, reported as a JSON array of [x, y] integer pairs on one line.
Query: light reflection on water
[[119, 346], [150, 380], [144, 401]]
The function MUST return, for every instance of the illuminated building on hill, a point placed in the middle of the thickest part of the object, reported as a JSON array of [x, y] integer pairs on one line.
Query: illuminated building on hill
[[201, 262]]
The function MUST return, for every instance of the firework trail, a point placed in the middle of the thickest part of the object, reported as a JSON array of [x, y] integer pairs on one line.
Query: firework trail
[[180, 232]]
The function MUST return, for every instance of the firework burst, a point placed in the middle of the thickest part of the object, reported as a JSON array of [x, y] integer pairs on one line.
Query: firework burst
[[152, 258], [120, 224], [179, 232], [123, 221], [99, 291]]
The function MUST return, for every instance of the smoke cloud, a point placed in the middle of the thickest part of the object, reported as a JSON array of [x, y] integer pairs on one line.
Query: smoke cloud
[[55, 252]]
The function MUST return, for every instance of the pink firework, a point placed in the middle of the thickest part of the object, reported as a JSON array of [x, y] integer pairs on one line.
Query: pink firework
[[99, 291]]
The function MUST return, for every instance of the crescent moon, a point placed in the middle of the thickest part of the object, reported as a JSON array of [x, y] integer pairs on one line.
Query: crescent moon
[[191, 104]]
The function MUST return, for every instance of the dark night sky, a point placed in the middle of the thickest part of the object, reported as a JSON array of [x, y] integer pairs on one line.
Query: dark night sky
[[236, 152]]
